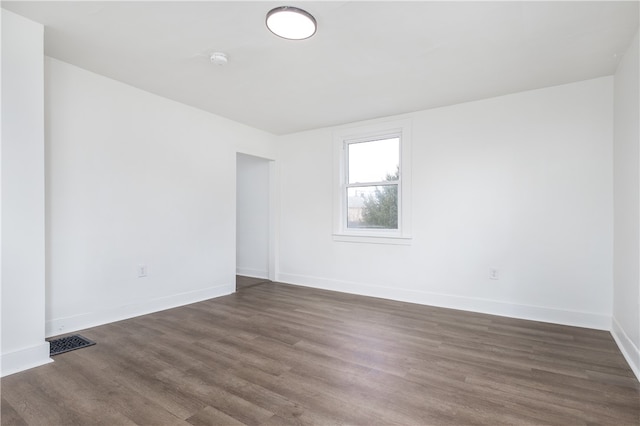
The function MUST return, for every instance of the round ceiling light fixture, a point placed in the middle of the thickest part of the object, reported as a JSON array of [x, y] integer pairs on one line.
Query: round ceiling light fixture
[[291, 23]]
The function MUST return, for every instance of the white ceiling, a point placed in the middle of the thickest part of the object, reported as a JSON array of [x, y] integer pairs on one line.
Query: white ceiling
[[367, 60]]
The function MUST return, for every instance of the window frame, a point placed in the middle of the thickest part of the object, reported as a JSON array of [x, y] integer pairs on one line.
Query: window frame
[[342, 138]]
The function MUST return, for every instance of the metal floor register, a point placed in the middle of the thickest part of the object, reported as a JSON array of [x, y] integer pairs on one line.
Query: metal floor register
[[68, 343]]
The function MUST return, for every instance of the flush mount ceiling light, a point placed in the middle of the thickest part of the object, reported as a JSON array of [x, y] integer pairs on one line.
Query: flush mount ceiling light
[[291, 23]]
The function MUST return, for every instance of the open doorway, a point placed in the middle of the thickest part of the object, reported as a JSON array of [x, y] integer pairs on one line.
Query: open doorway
[[253, 220]]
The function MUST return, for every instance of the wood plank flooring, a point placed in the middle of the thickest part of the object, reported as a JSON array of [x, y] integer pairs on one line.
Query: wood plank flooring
[[275, 354]]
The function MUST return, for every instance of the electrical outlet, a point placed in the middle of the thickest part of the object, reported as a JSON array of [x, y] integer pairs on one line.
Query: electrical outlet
[[493, 274], [142, 271]]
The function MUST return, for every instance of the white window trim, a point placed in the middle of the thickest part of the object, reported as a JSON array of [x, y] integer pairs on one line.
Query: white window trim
[[402, 235]]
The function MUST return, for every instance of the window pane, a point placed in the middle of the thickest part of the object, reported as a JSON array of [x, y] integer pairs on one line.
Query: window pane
[[373, 207], [374, 161]]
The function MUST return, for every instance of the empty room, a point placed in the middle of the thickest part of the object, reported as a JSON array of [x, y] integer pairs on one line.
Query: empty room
[[320, 212]]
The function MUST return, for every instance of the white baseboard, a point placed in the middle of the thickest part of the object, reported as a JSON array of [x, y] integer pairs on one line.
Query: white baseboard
[[534, 313], [58, 326], [629, 350], [24, 359], [253, 273]]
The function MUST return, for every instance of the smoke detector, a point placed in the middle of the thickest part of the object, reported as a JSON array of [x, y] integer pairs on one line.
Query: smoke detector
[[219, 58]]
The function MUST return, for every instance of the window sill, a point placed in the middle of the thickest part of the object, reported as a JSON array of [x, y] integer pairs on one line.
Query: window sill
[[372, 239]]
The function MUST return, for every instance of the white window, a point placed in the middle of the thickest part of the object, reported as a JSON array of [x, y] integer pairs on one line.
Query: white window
[[373, 183]]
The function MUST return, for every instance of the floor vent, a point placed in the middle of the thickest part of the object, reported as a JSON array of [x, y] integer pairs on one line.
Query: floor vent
[[68, 343]]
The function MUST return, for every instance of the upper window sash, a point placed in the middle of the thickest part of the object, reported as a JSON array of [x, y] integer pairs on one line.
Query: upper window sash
[[347, 143]]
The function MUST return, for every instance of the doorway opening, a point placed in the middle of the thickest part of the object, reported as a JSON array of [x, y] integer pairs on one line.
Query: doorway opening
[[254, 220]]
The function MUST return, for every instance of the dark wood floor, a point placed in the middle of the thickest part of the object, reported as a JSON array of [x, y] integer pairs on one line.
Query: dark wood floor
[[275, 354], [242, 283]]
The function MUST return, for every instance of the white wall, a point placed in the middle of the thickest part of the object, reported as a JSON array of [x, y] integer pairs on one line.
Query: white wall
[[133, 179], [522, 183], [252, 216], [626, 285], [23, 246]]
